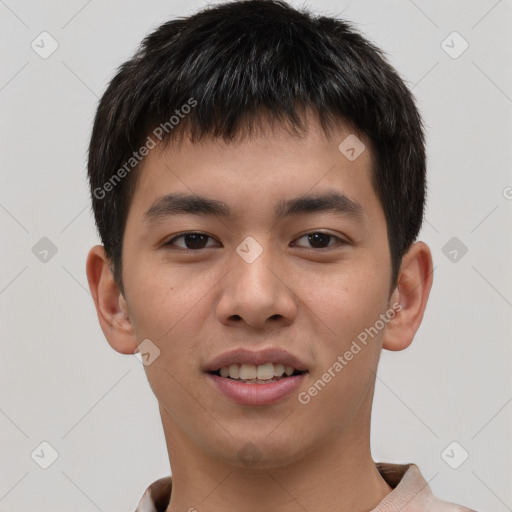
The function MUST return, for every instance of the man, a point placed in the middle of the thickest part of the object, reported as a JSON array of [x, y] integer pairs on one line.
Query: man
[[258, 183]]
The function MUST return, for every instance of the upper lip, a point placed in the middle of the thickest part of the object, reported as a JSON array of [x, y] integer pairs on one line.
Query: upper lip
[[242, 355]]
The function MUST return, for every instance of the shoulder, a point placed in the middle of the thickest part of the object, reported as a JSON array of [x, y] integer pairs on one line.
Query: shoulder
[[156, 497], [411, 492]]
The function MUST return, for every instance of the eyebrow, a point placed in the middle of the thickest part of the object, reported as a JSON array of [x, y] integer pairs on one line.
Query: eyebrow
[[182, 204]]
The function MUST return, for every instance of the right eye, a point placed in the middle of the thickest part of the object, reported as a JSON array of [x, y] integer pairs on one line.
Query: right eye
[[193, 241]]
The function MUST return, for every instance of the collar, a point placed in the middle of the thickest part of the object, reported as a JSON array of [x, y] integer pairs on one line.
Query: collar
[[411, 492]]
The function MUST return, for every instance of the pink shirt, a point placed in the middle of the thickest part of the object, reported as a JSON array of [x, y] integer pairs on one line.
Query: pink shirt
[[410, 493]]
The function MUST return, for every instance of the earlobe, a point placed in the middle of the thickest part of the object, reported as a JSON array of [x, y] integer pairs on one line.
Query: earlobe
[[111, 306], [410, 297]]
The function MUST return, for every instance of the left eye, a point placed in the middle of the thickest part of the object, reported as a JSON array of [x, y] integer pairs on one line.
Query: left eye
[[319, 238], [195, 241]]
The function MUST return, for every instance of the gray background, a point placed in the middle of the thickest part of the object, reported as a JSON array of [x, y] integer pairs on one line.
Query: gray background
[[63, 384]]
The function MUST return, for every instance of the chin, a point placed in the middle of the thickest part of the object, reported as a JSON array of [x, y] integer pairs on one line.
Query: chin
[[259, 452]]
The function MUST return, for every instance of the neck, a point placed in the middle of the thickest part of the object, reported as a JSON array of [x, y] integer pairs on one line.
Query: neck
[[338, 475]]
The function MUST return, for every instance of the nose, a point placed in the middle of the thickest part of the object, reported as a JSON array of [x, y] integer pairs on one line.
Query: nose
[[259, 291]]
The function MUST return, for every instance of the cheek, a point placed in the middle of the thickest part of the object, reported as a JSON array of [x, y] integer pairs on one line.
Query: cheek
[[347, 355], [347, 300], [347, 304], [157, 302], [168, 307]]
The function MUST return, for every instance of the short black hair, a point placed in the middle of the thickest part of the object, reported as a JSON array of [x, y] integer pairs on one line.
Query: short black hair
[[222, 70]]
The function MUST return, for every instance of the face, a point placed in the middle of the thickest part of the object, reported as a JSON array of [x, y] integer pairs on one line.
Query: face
[[198, 285]]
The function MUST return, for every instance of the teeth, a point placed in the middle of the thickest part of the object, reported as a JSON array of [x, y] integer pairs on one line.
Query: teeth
[[234, 371], [265, 371], [278, 370], [288, 370], [247, 372]]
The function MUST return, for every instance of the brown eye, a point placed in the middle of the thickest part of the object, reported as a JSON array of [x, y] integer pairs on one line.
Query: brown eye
[[192, 241], [319, 240]]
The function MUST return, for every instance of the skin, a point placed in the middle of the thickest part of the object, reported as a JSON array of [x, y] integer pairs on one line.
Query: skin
[[313, 302]]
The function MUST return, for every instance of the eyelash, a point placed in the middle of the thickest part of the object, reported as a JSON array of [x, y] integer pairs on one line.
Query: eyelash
[[170, 242]]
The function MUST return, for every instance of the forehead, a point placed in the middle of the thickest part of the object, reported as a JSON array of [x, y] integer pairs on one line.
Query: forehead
[[260, 173]]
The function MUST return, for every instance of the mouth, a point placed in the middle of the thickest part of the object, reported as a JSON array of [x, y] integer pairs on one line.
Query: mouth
[[265, 377], [257, 385], [257, 374]]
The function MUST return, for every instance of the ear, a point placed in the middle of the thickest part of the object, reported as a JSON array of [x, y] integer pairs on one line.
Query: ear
[[111, 306], [409, 299]]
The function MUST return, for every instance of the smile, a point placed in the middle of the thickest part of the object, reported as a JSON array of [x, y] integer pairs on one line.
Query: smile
[[255, 391], [262, 373]]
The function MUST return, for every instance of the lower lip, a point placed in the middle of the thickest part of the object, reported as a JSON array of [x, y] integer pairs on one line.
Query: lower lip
[[256, 394]]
